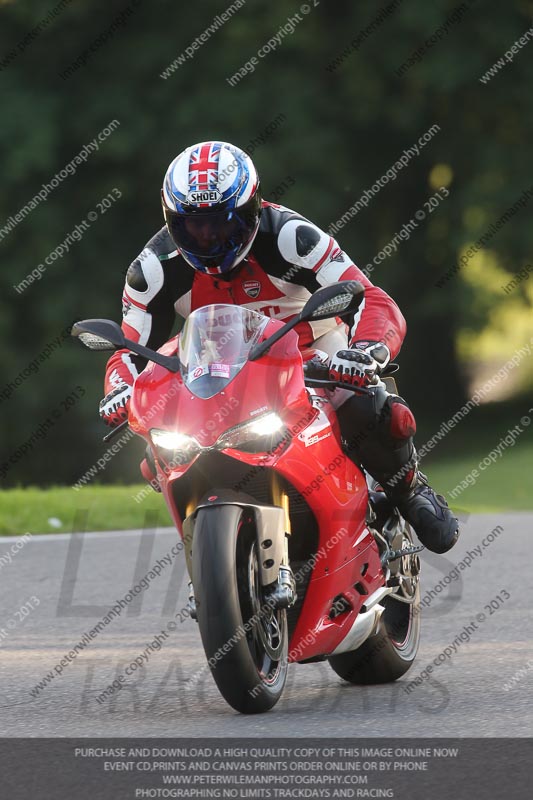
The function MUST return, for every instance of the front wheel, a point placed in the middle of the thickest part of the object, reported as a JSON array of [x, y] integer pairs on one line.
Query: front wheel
[[245, 641]]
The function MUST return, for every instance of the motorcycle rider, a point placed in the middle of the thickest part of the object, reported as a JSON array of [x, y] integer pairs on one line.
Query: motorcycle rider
[[223, 244]]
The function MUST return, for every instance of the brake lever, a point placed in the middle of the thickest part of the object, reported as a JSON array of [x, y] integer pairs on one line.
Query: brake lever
[[115, 431], [327, 384]]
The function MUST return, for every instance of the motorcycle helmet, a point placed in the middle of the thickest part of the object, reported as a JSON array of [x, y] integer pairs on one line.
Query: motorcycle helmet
[[212, 205]]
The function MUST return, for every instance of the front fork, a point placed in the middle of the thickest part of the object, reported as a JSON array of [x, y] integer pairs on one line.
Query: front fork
[[281, 594], [284, 593]]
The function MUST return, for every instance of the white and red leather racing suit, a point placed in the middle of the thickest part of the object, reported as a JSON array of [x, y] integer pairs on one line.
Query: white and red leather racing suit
[[289, 259]]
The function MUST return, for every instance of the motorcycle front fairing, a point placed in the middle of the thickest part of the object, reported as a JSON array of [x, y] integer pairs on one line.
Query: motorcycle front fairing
[[220, 391], [217, 392]]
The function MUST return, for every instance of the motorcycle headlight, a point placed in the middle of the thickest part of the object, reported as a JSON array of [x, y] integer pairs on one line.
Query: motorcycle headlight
[[174, 448], [260, 435]]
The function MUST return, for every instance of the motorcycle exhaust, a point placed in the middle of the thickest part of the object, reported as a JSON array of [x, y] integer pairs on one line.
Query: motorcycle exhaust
[[364, 626]]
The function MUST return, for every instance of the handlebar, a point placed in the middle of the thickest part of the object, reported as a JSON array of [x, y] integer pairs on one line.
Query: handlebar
[[327, 384]]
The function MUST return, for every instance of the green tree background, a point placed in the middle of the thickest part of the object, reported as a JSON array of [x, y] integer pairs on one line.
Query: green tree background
[[343, 129]]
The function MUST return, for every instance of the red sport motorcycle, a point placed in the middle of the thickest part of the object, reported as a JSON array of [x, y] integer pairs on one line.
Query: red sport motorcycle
[[292, 556]]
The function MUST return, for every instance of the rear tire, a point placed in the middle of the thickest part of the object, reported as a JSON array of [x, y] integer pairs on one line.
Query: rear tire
[[247, 653], [388, 654]]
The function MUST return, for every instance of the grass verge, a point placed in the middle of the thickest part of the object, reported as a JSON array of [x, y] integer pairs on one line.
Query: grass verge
[[92, 508], [506, 485]]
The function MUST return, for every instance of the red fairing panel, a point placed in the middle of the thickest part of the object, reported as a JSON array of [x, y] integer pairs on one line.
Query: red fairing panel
[[347, 553]]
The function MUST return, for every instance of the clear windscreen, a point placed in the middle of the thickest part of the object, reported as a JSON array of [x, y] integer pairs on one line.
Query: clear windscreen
[[214, 346]]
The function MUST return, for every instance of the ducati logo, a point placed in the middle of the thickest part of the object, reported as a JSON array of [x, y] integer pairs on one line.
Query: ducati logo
[[126, 305], [337, 255], [252, 288]]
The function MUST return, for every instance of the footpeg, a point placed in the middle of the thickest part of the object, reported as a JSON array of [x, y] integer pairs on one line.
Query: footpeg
[[284, 593], [393, 555]]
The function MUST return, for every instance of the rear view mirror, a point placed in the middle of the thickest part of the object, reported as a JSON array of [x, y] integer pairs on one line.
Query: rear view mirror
[[103, 334], [99, 334], [339, 299]]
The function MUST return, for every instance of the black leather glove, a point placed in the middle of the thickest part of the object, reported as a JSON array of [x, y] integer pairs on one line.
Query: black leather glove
[[361, 365], [114, 406]]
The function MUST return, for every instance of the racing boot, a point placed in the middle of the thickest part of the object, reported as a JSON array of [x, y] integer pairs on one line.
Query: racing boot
[[378, 430], [427, 512]]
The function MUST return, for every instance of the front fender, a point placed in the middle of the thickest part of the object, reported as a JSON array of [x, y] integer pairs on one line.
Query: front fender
[[269, 523]]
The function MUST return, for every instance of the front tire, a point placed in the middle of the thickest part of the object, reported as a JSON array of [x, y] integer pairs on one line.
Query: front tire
[[245, 642]]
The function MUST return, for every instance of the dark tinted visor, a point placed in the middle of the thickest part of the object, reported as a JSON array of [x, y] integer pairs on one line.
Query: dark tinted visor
[[213, 233]]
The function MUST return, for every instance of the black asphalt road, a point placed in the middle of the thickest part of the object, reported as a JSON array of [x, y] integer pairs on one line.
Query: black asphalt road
[[483, 689]]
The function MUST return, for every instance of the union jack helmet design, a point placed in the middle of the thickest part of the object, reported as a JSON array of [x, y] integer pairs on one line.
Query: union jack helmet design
[[212, 205]]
